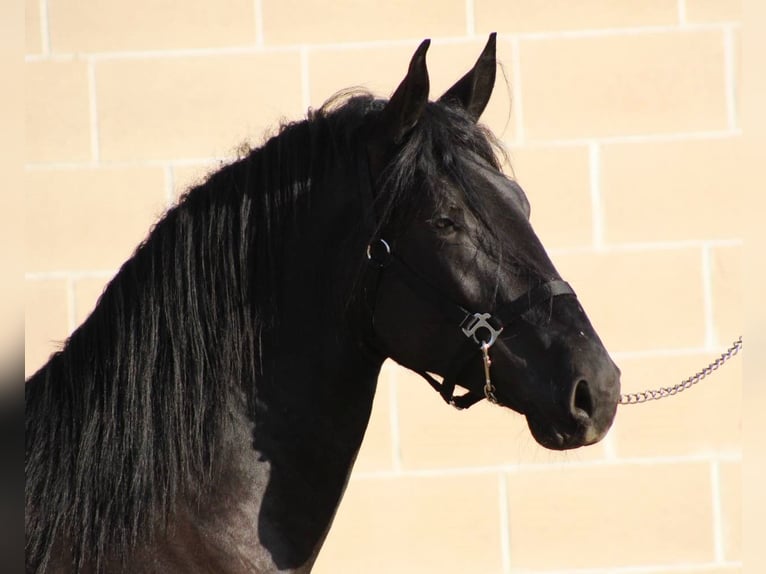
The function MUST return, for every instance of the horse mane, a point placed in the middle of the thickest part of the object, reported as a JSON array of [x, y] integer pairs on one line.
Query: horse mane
[[130, 414], [104, 459]]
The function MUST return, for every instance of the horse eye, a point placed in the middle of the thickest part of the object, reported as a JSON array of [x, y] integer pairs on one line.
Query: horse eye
[[443, 223]]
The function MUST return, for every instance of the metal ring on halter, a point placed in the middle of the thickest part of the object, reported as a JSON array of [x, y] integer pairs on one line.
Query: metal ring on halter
[[372, 256]]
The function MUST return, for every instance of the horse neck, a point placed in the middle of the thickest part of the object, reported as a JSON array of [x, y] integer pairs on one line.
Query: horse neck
[[184, 396], [313, 400]]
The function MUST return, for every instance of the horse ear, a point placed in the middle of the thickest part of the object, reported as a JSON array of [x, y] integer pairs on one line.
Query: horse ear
[[473, 90], [403, 110]]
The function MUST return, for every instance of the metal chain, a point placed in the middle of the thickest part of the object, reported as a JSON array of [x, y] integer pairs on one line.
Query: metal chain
[[489, 388], [661, 393]]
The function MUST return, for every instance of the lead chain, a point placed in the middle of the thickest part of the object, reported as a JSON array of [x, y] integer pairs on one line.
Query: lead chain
[[489, 388], [662, 392]]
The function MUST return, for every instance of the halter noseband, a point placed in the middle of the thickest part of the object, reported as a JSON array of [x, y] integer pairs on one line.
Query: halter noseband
[[481, 330]]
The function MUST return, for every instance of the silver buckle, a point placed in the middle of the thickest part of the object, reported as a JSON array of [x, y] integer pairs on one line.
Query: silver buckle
[[480, 321]]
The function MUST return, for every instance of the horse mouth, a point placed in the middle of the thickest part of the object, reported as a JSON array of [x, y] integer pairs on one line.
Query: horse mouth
[[553, 437]]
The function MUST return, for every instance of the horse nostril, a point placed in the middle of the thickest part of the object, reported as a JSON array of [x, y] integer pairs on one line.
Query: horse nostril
[[582, 401]]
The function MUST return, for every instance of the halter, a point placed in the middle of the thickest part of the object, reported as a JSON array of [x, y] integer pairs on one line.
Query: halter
[[481, 330]]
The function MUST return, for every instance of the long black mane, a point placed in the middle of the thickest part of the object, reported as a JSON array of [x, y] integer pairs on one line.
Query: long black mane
[[129, 416]]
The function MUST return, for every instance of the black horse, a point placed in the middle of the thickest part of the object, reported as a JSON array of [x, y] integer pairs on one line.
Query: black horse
[[206, 416]]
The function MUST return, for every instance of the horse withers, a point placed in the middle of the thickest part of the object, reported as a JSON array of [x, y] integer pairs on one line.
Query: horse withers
[[206, 416]]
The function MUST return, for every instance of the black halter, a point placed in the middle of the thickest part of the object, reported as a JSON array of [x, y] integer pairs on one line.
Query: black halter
[[481, 330]]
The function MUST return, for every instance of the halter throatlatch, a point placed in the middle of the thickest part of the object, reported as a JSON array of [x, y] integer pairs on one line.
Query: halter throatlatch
[[481, 330]]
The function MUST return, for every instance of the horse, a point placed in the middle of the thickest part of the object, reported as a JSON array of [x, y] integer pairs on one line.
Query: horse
[[206, 416]]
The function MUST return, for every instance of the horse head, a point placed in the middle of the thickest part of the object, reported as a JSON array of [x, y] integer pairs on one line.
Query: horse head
[[461, 287]]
